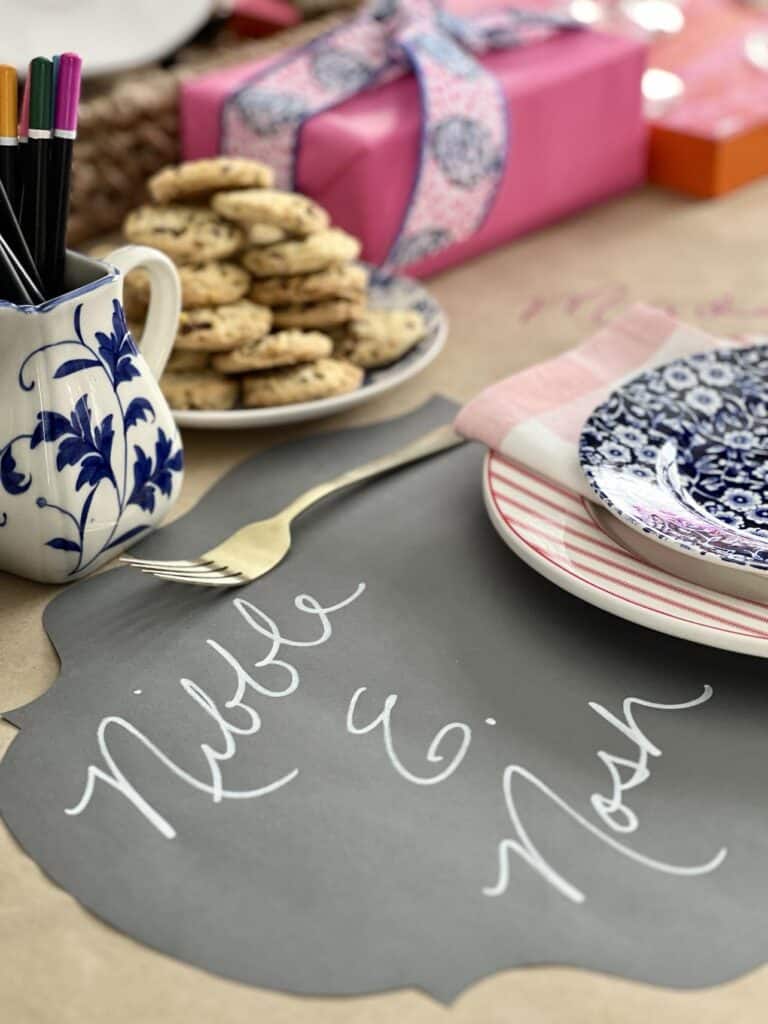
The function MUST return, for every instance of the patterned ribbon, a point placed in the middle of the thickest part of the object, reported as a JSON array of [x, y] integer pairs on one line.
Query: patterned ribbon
[[464, 135]]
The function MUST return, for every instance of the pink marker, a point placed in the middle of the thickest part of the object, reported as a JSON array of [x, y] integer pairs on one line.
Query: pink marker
[[64, 134], [67, 96], [23, 169], [24, 115]]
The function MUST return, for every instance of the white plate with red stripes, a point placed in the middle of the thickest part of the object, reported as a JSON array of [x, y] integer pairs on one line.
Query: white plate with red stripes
[[557, 532]]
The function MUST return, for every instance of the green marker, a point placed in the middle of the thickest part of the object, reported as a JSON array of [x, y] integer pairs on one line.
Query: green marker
[[38, 145]]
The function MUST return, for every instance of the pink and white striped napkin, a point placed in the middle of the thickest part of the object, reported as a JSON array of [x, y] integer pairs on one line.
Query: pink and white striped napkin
[[535, 417]]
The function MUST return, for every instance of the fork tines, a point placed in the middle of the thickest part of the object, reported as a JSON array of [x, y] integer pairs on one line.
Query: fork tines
[[200, 573]]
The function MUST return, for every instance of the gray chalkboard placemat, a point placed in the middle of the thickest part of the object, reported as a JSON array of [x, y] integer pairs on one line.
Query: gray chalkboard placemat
[[400, 759]]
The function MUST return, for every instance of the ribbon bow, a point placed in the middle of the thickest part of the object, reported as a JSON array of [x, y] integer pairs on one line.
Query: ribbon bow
[[464, 135]]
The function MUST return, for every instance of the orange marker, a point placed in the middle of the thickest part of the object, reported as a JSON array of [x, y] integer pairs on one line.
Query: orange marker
[[9, 141]]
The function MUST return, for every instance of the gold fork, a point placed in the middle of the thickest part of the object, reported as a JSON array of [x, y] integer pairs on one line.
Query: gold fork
[[255, 549]]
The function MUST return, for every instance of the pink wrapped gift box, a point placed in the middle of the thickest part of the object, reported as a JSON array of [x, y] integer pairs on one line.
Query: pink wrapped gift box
[[576, 127]]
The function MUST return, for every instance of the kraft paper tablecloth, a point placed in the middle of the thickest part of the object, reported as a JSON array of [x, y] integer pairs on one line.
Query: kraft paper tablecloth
[[706, 264]]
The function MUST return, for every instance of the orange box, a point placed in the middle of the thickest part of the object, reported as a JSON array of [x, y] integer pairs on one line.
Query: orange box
[[707, 167]]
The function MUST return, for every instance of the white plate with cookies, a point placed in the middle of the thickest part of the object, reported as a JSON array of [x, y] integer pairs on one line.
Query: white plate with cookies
[[279, 322], [412, 309]]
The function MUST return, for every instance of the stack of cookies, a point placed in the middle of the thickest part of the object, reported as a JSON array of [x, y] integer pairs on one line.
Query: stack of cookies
[[274, 306]]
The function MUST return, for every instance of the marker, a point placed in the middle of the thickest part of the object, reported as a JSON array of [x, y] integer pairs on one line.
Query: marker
[[64, 134], [10, 229], [11, 285], [36, 226], [9, 142], [22, 151], [55, 60], [31, 292], [13, 237]]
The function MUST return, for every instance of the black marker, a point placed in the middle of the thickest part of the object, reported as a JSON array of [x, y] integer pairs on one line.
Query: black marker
[[38, 154]]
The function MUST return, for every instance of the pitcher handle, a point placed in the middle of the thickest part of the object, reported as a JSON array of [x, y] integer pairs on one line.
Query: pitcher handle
[[164, 301]]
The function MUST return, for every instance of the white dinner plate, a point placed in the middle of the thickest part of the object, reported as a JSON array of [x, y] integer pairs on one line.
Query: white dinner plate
[[110, 35], [385, 292], [557, 533]]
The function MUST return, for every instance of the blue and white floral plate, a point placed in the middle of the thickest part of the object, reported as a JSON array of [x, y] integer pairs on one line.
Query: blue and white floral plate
[[680, 454], [384, 292]]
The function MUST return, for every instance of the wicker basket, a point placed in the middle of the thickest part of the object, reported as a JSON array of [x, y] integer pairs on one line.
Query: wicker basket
[[131, 129]]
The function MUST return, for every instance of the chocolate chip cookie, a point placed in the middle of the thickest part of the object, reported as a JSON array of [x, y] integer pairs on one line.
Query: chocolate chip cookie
[[379, 337], [306, 383], [187, 234], [264, 234], [318, 314], [200, 390], [284, 348], [306, 256], [222, 328], [199, 178], [212, 283], [343, 282], [295, 214], [180, 360]]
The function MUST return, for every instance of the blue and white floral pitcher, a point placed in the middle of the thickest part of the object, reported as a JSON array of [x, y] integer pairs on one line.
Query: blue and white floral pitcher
[[90, 458]]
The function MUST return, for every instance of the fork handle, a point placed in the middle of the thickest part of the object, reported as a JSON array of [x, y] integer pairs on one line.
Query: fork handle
[[430, 444]]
